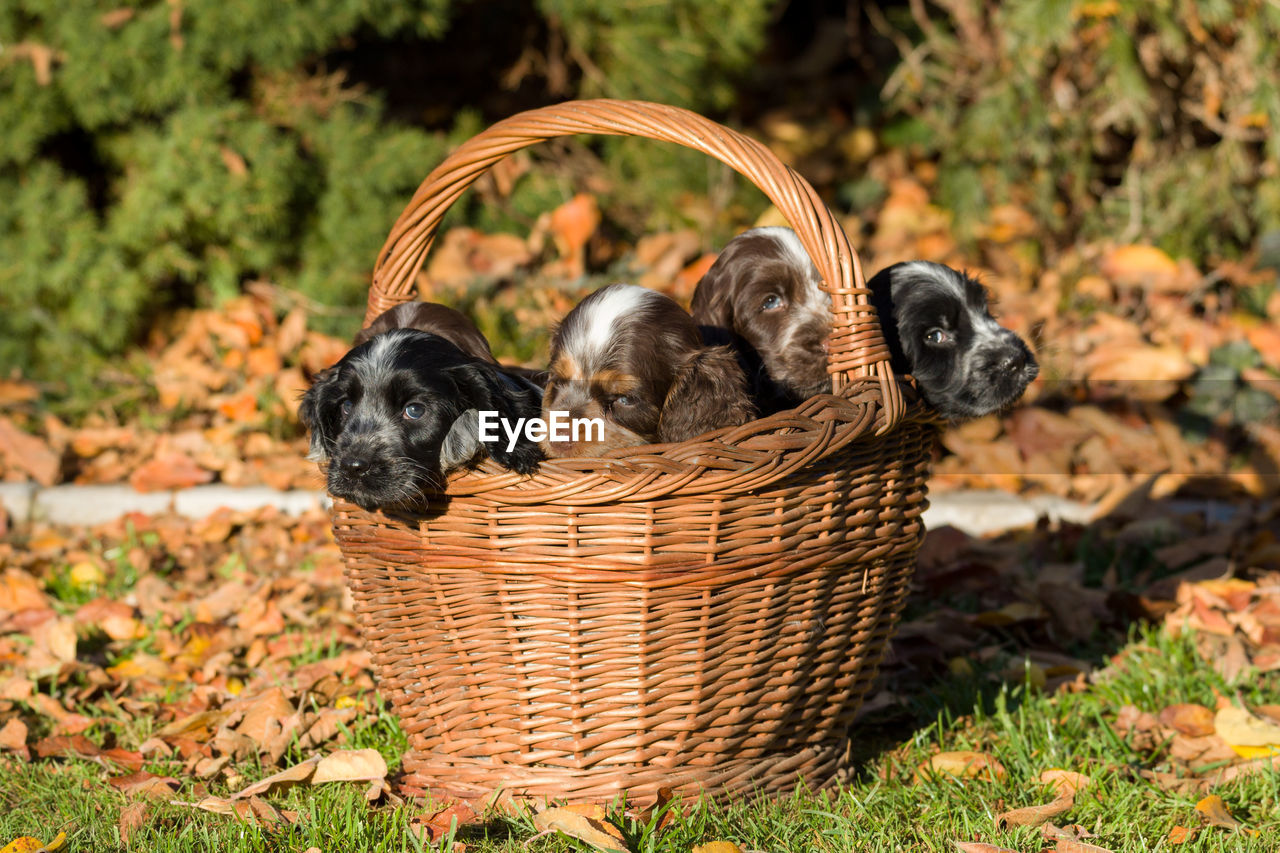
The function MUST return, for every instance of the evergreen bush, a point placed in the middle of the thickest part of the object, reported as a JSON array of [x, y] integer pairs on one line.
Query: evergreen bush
[[1127, 119], [161, 152]]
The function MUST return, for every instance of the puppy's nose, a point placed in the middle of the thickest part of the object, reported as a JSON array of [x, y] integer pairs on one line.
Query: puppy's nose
[[1014, 362], [355, 466]]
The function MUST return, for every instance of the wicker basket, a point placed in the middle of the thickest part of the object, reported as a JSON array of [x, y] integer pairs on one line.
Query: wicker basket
[[701, 616]]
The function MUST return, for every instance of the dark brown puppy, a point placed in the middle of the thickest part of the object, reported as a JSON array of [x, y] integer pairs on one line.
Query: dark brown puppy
[[434, 318], [765, 294], [631, 359]]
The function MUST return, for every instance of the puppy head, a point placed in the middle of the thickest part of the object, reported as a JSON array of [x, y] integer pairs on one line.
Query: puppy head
[[939, 329], [434, 318], [765, 290], [632, 358], [385, 418]]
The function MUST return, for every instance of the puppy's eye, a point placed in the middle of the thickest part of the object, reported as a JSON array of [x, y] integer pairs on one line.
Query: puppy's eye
[[936, 336], [346, 407], [624, 400], [413, 411], [772, 302]]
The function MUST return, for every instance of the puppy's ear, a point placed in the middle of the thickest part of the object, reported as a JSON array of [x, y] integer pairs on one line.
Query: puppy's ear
[[319, 413], [712, 303], [709, 392], [483, 388]]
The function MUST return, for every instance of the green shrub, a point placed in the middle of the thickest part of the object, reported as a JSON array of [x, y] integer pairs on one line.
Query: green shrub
[[1133, 119], [155, 153]]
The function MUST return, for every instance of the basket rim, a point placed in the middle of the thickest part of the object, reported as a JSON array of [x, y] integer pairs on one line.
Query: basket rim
[[856, 347]]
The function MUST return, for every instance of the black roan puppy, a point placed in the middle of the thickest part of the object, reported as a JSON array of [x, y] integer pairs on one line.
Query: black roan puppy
[[399, 412]]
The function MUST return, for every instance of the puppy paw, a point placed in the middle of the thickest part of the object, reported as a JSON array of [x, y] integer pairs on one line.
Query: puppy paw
[[523, 459]]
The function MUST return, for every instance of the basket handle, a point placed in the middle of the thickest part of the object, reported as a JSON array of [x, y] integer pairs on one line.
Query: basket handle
[[856, 347]]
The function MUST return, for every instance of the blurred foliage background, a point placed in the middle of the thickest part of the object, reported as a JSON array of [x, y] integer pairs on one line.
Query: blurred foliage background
[[166, 153]]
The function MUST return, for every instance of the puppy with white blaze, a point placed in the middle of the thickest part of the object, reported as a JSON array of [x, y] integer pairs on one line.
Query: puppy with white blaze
[[939, 328], [765, 295], [399, 412], [631, 360]]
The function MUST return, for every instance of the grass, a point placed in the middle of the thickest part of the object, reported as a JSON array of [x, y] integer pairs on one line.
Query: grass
[[883, 808]]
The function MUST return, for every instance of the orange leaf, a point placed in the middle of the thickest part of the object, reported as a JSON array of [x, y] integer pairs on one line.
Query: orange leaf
[[1181, 834], [169, 472], [350, 765], [597, 833], [980, 847], [962, 765], [1036, 815], [1189, 719], [1215, 811]]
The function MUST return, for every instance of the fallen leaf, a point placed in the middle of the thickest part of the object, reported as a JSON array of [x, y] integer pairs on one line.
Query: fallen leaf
[[144, 784], [1142, 265], [28, 453], [1069, 845], [281, 781], [1036, 815], [438, 824], [717, 847], [597, 833], [132, 817], [168, 472], [350, 765], [980, 847], [1191, 720], [1182, 834], [13, 735], [1065, 781], [27, 844], [1247, 734], [1215, 811], [962, 765]]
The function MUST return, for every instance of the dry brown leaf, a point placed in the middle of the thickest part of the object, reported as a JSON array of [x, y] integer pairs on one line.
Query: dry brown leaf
[[981, 847], [144, 784], [437, 824], [264, 715], [13, 735], [963, 764], [1146, 266], [20, 591], [132, 817], [1191, 720], [350, 765], [1215, 811], [1070, 845], [597, 833], [1065, 781], [1036, 815], [717, 847], [168, 472], [281, 781], [28, 453]]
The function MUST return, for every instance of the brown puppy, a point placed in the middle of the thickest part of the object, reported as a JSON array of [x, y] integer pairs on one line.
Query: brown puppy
[[631, 359], [431, 317], [765, 294]]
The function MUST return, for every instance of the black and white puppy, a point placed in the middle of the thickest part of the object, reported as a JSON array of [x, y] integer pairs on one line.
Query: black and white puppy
[[939, 328], [765, 294], [397, 413]]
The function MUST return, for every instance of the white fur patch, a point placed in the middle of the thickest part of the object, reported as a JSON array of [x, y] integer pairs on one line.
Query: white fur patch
[[614, 303], [790, 247]]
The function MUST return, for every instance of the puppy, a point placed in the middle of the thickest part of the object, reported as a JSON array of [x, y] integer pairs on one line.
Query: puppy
[[764, 293], [633, 359], [966, 364], [435, 318], [399, 412]]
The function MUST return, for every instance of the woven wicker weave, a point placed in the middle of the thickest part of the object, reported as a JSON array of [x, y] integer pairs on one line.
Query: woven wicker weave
[[705, 615]]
